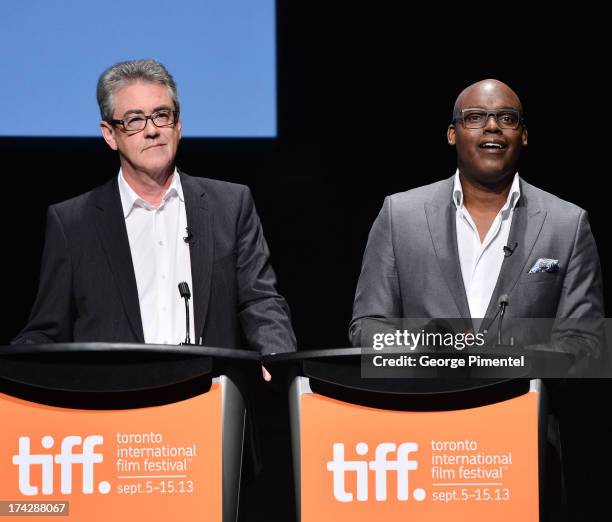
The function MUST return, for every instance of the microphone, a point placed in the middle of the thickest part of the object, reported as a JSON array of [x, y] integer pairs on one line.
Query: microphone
[[503, 301], [183, 288], [189, 239], [509, 250]]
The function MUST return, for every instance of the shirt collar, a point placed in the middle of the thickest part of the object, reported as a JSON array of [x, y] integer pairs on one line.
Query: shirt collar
[[129, 198], [513, 195]]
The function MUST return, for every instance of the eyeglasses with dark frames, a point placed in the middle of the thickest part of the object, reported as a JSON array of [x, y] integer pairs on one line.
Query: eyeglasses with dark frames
[[476, 118], [137, 122]]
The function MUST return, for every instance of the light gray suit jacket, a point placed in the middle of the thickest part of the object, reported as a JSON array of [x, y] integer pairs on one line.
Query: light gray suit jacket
[[411, 264]]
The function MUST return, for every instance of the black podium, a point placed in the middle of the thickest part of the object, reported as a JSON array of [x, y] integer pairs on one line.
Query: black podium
[[412, 449], [163, 426]]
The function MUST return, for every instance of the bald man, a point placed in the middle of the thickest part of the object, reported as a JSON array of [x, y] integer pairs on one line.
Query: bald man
[[453, 248]]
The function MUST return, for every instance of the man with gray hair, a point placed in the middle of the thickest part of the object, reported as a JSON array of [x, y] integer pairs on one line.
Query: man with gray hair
[[113, 257]]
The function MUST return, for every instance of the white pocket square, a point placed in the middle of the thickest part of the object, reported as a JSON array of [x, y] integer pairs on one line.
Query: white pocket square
[[545, 265]]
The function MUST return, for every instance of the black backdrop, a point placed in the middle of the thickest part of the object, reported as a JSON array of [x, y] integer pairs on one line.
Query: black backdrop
[[365, 92]]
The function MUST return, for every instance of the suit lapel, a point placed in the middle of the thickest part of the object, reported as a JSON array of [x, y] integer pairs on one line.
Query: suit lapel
[[110, 224], [440, 212], [201, 250], [527, 222]]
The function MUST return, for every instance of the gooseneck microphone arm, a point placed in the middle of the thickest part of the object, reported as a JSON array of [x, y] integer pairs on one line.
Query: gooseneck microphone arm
[[503, 303], [183, 288]]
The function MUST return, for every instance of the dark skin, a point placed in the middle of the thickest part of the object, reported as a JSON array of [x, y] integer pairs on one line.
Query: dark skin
[[486, 173]]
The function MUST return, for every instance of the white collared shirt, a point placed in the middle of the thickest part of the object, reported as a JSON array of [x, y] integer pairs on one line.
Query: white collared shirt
[[161, 260], [481, 261]]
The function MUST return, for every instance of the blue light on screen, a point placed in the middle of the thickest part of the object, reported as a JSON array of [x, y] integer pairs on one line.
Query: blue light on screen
[[221, 53]]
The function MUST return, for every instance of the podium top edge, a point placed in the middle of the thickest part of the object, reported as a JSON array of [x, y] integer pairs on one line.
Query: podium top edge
[[338, 353], [90, 347], [329, 353]]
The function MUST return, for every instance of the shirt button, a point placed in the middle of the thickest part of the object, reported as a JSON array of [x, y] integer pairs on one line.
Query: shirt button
[[163, 277], [161, 243]]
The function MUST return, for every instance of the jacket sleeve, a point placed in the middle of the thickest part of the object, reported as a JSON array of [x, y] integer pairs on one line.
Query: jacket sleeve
[[263, 312], [580, 313], [52, 316], [378, 292]]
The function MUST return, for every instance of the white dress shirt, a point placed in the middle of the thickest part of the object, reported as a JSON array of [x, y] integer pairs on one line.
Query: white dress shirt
[[481, 261], [161, 260]]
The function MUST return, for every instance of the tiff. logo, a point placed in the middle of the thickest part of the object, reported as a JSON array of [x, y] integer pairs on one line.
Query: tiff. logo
[[381, 464], [66, 458]]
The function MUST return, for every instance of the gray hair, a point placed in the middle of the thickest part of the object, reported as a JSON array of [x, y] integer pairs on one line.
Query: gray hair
[[125, 73]]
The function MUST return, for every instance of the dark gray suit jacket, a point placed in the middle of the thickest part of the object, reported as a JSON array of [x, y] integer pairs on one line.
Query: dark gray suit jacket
[[411, 264], [88, 292]]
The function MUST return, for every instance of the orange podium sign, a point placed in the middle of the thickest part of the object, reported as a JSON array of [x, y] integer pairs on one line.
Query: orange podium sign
[[150, 464], [368, 464]]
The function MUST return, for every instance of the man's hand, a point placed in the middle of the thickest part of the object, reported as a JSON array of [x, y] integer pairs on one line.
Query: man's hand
[[266, 374]]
